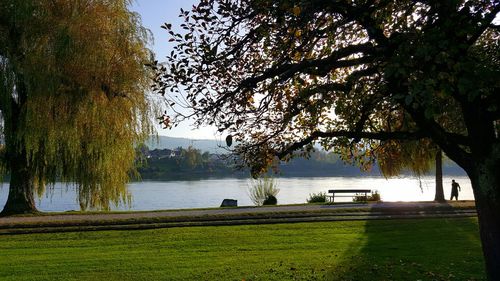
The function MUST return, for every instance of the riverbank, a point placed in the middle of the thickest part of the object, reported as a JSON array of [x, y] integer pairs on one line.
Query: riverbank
[[81, 221]]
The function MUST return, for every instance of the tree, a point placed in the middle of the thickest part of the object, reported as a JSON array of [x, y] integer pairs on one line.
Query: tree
[[417, 156], [72, 98], [281, 75], [439, 196], [191, 158]]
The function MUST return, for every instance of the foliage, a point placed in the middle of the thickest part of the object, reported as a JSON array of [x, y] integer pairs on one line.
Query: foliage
[[317, 197], [422, 249], [374, 197], [359, 198], [188, 164], [393, 156], [307, 71], [263, 190], [157, 165], [73, 93], [270, 200], [192, 157]]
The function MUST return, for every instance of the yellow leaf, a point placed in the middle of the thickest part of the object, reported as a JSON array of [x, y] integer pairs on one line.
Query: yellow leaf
[[296, 11], [297, 56]]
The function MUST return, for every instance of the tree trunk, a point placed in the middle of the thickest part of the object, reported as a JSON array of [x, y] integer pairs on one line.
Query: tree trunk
[[21, 198], [486, 185], [439, 197]]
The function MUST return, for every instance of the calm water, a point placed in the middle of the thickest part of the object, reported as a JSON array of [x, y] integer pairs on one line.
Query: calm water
[[152, 195]]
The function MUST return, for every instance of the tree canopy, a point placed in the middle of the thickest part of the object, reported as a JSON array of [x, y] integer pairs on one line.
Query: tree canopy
[[355, 76], [279, 75], [72, 96]]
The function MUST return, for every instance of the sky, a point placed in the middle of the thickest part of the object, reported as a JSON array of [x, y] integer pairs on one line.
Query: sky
[[155, 13]]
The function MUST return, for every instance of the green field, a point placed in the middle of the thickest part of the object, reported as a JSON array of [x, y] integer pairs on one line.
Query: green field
[[422, 249]]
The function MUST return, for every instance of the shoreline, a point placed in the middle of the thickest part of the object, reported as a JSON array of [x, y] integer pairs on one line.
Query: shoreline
[[70, 222]]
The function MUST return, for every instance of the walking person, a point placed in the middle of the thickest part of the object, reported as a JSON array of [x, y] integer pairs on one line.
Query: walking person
[[455, 187]]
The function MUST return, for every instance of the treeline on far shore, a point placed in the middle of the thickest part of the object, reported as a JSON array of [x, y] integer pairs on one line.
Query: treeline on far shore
[[191, 163]]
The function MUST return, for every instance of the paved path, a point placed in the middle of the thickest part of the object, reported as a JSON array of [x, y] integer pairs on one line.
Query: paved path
[[232, 216], [222, 211]]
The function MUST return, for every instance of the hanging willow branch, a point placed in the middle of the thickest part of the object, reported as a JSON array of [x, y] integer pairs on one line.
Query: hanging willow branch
[[73, 93]]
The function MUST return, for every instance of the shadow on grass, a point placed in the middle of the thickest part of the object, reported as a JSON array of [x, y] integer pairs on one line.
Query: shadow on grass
[[415, 249]]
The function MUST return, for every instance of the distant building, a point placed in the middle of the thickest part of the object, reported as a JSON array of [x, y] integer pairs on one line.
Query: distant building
[[164, 153]]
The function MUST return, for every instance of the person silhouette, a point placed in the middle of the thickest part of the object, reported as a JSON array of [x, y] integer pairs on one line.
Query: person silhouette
[[455, 187]]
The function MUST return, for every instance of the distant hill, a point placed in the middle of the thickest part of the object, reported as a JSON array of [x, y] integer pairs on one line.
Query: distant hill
[[298, 166], [188, 164], [164, 142]]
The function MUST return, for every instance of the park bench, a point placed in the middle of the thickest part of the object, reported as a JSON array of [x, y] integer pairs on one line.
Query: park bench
[[351, 192]]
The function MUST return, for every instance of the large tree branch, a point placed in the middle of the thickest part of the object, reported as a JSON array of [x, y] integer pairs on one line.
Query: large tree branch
[[324, 69], [382, 136], [286, 71], [327, 88], [375, 32], [449, 143], [486, 22], [361, 14], [333, 61]]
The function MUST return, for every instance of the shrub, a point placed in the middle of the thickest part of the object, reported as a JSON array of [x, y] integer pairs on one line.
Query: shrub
[[374, 197], [359, 198], [270, 200], [264, 191], [317, 197]]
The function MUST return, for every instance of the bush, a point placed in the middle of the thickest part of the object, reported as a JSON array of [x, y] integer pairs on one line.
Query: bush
[[264, 191], [317, 197], [374, 197], [270, 200]]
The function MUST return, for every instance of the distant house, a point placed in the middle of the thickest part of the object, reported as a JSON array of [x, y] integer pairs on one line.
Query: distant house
[[174, 153], [164, 153]]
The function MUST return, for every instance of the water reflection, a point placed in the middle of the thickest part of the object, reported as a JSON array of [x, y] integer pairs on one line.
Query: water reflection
[[211, 192]]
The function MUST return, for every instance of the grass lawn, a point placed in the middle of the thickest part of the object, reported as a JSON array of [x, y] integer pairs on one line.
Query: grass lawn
[[421, 249]]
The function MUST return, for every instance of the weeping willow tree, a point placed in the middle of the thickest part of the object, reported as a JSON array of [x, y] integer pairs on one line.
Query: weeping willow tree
[[72, 98], [417, 156]]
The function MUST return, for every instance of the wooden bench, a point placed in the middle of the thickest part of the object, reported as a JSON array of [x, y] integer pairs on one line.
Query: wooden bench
[[352, 192]]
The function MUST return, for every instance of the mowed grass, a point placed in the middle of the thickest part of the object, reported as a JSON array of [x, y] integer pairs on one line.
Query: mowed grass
[[419, 249]]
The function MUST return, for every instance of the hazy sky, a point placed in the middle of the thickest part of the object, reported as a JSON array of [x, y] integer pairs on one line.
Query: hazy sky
[[154, 13]]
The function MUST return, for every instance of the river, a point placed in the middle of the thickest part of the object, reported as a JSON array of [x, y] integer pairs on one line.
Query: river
[[155, 195]]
